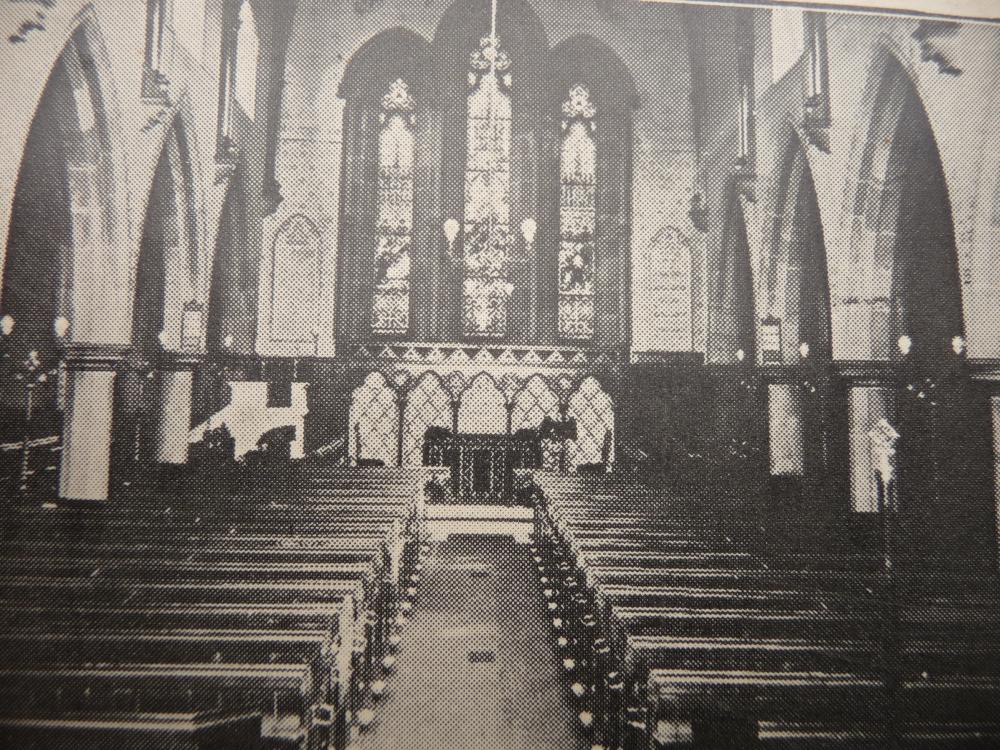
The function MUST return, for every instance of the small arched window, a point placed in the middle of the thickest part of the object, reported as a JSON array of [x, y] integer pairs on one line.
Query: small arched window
[[394, 227], [577, 215], [486, 285]]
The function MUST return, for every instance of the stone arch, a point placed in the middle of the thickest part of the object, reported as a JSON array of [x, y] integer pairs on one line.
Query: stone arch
[[875, 296], [483, 408], [373, 423], [798, 285], [173, 267], [83, 124], [428, 404]]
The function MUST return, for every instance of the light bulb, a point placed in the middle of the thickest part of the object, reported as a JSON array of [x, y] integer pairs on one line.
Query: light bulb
[[958, 345], [60, 326], [740, 355], [528, 229], [228, 341], [905, 344], [7, 325], [804, 349]]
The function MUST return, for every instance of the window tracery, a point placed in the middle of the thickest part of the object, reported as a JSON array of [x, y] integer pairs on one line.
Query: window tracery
[[394, 231], [488, 241], [577, 215]]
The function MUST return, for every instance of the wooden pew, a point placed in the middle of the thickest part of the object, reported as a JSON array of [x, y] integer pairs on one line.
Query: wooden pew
[[206, 730], [283, 694]]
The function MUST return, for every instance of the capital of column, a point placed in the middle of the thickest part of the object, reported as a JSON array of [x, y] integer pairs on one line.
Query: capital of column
[[83, 357], [867, 373]]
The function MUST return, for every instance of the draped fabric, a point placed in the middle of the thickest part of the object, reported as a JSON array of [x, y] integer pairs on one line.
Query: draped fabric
[[594, 414]]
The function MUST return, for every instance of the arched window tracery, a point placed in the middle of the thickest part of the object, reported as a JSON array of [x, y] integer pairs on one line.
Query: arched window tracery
[[394, 213], [486, 286], [577, 215]]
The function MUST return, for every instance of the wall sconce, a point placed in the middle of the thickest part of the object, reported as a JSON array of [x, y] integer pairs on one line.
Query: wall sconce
[[60, 327], [905, 344], [451, 228], [958, 345], [6, 325]]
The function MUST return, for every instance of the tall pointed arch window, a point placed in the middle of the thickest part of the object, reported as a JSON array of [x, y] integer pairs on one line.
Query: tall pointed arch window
[[577, 215], [394, 231], [486, 286]]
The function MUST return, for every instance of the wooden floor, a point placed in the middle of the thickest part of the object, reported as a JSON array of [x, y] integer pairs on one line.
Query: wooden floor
[[476, 670]]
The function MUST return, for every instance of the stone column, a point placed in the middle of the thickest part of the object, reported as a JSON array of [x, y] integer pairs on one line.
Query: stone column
[[870, 398], [85, 465], [174, 396], [786, 427]]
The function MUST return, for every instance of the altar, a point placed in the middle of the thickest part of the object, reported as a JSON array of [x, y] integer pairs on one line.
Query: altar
[[482, 465]]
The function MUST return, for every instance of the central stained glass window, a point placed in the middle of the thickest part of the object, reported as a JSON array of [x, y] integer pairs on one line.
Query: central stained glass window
[[394, 232], [486, 286]]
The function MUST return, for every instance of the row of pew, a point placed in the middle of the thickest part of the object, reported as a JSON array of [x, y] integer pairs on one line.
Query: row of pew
[[208, 618], [679, 625]]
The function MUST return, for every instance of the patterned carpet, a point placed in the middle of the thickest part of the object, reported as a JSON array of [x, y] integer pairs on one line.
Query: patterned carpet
[[477, 670]]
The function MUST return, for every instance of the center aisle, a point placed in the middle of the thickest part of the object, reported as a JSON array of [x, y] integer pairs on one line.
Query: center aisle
[[476, 670]]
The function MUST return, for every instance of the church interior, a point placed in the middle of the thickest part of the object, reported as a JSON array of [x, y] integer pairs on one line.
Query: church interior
[[605, 374]]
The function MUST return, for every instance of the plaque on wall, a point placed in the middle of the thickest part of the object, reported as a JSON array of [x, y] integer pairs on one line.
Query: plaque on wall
[[669, 320]]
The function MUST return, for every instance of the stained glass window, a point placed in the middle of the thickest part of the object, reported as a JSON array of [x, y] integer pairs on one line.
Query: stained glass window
[[577, 213], [394, 231], [486, 286], [594, 414]]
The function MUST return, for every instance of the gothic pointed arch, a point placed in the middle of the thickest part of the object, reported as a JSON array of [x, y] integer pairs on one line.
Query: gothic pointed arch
[[584, 269], [487, 284], [385, 255]]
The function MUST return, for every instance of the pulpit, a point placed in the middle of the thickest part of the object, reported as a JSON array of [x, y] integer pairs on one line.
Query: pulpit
[[481, 465]]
